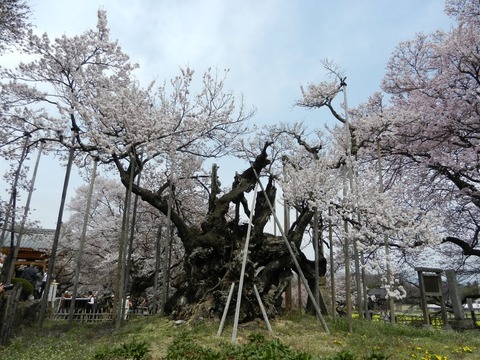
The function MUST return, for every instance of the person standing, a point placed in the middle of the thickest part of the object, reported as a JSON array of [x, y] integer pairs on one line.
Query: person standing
[[91, 301], [30, 274], [128, 307], [38, 282], [44, 282], [90, 306]]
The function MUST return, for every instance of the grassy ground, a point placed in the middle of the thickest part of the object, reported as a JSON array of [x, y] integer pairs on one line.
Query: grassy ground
[[298, 331]]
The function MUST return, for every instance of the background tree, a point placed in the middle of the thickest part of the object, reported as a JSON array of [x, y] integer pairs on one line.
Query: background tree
[[89, 96], [434, 122], [101, 249], [14, 23], [171, 135]]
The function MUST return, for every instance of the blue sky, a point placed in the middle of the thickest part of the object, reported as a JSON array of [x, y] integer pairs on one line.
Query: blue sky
[[271, 48]]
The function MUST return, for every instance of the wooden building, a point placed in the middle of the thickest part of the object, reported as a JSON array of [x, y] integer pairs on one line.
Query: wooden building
[[35, 247]]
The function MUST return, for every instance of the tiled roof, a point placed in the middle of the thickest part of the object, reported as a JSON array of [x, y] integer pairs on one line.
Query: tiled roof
[[36, 239]]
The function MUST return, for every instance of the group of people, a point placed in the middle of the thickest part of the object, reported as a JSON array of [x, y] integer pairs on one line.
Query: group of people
[[36, 276], [92, 302]]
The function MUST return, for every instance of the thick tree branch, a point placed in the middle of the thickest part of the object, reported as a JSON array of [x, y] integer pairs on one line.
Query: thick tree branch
[[468, 249]]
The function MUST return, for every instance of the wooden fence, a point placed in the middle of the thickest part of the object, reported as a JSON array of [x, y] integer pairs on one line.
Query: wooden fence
[[418, 321], [84, 315]]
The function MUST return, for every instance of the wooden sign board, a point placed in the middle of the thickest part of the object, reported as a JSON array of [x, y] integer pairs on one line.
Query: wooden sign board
[[432, 285]]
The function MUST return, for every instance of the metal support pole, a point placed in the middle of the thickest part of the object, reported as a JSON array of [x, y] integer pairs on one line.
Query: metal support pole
[[244, 264], [262, 308], [294, 258], [225, 311]]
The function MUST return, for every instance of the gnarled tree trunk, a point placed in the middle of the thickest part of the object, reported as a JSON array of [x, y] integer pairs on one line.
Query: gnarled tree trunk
[[213, 251]]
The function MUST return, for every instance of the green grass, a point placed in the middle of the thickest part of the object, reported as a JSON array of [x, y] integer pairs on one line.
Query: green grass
[[296, 336]]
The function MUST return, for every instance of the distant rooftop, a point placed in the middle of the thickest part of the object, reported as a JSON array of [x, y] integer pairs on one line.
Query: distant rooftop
[[36, 239]]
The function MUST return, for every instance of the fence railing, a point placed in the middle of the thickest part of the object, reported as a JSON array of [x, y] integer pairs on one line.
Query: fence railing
[[85, 315]]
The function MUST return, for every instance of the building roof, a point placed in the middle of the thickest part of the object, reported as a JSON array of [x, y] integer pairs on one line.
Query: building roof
[[377, 292], [34, 239]]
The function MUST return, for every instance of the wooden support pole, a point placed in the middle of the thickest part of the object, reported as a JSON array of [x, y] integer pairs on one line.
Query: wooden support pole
[[53, 255], [82, 245], [11, 270]]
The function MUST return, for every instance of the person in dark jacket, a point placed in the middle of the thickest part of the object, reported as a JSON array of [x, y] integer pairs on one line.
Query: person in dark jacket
[[30, 274]]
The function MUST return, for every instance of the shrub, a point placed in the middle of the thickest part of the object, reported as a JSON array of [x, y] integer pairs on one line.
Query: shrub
[[348, 355], [27, 288], [131, 350], [343, 355], [183, 347], [376, 355]]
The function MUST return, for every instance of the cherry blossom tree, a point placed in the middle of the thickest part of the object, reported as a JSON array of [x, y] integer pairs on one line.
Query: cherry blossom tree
[[434, 83], [100, 258], [13, 27], [13, 23], [80, 92]]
